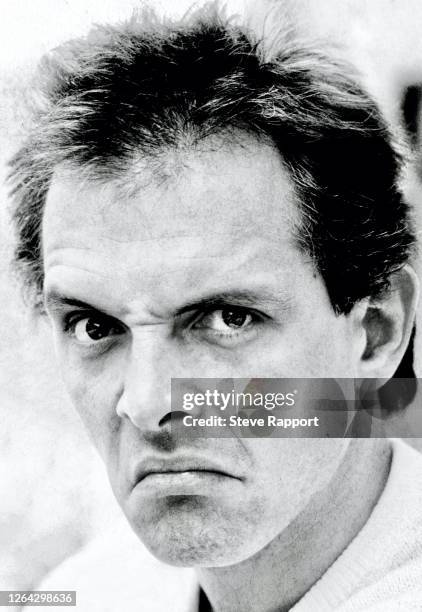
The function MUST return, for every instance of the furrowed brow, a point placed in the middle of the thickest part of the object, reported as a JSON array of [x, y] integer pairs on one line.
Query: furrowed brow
[[236, 298], [55, 301]]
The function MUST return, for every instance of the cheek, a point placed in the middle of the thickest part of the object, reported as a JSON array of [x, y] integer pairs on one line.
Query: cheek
[[289, 473], [309, 349], [321, 349], [318, 343], [94, 393]]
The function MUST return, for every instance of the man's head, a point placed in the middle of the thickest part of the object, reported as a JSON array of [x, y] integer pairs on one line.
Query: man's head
[[188, 208]]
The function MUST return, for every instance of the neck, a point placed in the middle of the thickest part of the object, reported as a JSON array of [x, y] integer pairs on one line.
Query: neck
[[280, 574]]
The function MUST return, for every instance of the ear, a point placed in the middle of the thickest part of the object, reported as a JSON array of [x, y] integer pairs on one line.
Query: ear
[[387, 324]]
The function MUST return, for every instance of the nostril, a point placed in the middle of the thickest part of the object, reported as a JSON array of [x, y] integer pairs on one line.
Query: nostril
[[172, 416]]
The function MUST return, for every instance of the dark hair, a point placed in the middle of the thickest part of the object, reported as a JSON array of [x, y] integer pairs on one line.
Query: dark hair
[[144, 87]]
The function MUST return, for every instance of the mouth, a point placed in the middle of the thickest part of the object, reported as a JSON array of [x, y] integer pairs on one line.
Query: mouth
[[180, 476], [192, 470], [155, 466]]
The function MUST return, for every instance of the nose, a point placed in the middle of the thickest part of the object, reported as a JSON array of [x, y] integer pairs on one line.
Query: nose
[[146, 395]]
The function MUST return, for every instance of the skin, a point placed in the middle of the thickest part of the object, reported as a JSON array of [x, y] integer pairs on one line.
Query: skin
[[216, 220]]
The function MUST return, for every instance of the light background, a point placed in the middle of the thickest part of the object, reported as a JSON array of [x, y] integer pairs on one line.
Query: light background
[[53, 490]]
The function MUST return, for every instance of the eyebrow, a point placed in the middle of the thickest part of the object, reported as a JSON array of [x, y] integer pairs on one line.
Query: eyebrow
[[55, 301], [238, 298]]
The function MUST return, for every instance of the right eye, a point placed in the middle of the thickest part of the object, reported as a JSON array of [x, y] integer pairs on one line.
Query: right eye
[[92, 329]]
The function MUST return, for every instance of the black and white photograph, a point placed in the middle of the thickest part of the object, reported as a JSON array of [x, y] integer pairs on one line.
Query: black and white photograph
[[210, 278]]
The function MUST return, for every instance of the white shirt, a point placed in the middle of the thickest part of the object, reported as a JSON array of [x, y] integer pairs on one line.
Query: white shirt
[[380, 570]]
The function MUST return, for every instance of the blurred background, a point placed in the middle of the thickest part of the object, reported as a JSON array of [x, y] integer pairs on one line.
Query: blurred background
[[53, 490]]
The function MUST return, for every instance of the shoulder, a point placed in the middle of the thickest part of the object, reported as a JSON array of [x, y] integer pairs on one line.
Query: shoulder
[[401, 503], [393, 541], [381, 569], [399, 591], [116, 573]]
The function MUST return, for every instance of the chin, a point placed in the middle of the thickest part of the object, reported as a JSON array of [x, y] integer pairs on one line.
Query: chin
[[190, 552], [188, 533]]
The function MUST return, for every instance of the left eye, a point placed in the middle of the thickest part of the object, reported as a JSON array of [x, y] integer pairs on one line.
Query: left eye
[[226, 319], [90, 329]]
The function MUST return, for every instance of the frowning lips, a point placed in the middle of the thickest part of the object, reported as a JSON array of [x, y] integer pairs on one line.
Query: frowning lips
[[177, 464]]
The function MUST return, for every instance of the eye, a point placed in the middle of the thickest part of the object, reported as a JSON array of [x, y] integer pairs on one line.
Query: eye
[[228, 319], [92, 329]]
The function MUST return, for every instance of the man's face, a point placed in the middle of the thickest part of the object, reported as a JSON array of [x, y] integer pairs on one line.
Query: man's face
[[196, 274]]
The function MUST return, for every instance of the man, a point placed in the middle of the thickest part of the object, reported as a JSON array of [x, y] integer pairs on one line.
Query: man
[[188, 206]]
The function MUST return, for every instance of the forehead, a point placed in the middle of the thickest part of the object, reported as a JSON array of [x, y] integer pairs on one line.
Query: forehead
[[240, 187], [212, 210]]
